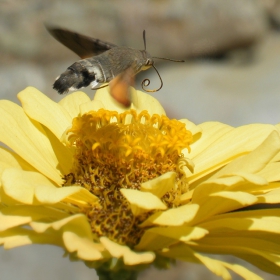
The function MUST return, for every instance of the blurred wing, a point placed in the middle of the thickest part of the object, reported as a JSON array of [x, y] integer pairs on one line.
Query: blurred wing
[[82, 45], [119, 86]]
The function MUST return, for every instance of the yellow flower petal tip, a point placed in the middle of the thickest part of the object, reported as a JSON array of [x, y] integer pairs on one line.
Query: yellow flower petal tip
[[142, 201], [129, 257], [173, 217], [161, 185]]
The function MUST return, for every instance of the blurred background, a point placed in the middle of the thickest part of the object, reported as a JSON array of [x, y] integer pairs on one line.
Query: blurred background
[[231, 74]]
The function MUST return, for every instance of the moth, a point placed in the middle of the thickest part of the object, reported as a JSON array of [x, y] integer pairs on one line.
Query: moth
[[102, 63]]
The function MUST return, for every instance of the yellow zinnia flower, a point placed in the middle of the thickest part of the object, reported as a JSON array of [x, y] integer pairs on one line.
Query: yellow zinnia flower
[[124, 189]]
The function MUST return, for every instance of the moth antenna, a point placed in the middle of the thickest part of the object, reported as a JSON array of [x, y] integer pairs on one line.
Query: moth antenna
[[146, 82], [174, 60], [144, 38]]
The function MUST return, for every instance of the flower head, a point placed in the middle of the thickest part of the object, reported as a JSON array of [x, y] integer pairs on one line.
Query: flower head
[[115, 153], [123, 189]]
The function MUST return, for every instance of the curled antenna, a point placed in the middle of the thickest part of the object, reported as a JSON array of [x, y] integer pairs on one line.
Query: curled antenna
[[146, 82]]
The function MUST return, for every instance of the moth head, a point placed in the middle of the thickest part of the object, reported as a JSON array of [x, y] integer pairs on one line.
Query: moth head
[[149, 62]]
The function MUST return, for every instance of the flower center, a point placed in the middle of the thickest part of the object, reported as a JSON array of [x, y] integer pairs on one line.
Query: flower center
[[114, 151]]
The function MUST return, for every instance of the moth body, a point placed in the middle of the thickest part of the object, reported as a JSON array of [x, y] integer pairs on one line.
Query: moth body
[[102, 68]]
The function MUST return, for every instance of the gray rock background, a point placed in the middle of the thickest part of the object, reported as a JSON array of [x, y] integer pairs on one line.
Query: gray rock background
[[242, 86]]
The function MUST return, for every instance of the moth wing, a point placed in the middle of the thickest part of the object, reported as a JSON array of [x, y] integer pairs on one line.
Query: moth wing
[[82, 45], [119, 87]]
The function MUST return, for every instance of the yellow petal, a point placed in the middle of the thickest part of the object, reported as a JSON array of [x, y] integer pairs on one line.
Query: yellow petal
[[221, 202], [160, 185], [271, 172], [218, 267], [250, 178], [129, 257], [242, 271], [77, 237], [14, 216], [142, 201], [72, 102], [162, 237], [232, 144], [94, 105], [140, 101], [47, 112], [143, 101], [63, 154], [173, 217], [185, 253], [153, 242], [78, 224], [10, 221], [240, 181], [261, 253], [186, 197], [15, 238], [20, 185], [253, 162], [266, 220], [27, 139], [262, 260], [214, 265], [211, 132], [103, 97], [19, 237], [181, 233], [270, 197], [76, 195], [10, 159], [84, 247]]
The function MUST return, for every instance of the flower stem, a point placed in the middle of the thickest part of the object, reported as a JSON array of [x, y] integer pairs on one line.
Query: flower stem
[[117, 275]]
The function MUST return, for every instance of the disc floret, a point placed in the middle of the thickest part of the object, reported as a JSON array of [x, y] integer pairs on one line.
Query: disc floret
[[115, 151]]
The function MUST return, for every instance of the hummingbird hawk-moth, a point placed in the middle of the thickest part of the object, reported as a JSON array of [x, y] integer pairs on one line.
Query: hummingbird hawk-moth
[[102, 62]]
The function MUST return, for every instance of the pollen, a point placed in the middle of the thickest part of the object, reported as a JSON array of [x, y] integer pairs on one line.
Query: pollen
[[115, 151]]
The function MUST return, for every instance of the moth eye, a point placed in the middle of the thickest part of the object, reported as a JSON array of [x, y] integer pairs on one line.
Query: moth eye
[[149, 62]]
